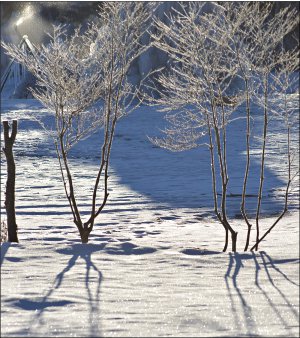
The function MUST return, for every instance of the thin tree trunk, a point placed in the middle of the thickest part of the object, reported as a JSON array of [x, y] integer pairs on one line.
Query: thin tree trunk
[[223, 176], [63, 161], [243, 210], [262, 167], [105, 150], [248, 114], [11, 179], [71, 196], [213, 172], [285, 208]]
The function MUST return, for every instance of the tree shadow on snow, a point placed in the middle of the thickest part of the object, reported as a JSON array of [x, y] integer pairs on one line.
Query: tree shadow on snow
[[264, 266], [184, 179], [76, 252], [4, 248], [199, 252], [127, 248]]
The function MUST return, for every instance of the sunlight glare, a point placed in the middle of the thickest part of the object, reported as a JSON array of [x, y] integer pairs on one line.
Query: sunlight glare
[[27, 13]]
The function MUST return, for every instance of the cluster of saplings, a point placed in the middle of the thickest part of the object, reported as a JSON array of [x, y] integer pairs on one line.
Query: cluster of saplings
[[211, 47]]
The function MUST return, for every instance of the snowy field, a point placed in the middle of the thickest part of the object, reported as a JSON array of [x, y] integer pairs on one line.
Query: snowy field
[[153, 266]]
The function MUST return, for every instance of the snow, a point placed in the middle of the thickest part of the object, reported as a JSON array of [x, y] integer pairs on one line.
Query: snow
[[153, 266]]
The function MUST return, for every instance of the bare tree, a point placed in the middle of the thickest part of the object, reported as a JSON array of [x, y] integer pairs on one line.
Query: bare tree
[[198, 90], [256, 41], [269, 57], [283, 104], [210, 50], [9, 140], [73, 72]]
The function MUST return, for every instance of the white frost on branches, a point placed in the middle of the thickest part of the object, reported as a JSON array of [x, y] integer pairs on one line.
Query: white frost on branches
[[82, 79], [221, 58]]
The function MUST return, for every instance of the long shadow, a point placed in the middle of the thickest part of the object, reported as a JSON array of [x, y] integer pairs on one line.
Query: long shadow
[[94, 312], [267, 259], [234, 267], [77, 252], [184, 179], [4, 248], [269, 300], [175, 179], [268, 265]]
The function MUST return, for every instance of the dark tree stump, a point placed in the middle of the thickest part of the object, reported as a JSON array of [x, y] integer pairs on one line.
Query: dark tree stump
[[11, 178]]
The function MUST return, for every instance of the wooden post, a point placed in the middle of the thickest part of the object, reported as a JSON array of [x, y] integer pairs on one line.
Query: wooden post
[[11, 178]]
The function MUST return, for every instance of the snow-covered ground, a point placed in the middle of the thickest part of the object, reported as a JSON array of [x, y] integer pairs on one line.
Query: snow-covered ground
[[153, 265]]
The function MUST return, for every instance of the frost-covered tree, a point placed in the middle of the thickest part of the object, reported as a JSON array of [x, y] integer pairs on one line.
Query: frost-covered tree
[[76, 70], [280, 101], [211, 50]]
